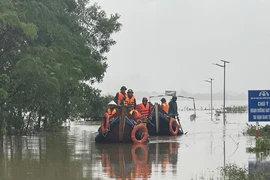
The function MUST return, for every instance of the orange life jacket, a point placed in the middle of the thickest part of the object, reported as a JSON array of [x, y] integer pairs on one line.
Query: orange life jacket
[[129, 100], [144, 110], [165, 107], [111, 112], [120, 97]]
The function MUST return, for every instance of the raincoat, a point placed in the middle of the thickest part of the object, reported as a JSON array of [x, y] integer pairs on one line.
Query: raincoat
[[173, 109]]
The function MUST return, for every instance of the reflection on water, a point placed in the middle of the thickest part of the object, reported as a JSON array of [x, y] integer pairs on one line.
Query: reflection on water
[[46, 157], [130, 161]]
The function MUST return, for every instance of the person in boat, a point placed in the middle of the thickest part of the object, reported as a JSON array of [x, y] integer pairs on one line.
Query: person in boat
[[173, 109], [112, 108], [134, 113], [120, 95], [145, 109], [164, 105], [129, 99]]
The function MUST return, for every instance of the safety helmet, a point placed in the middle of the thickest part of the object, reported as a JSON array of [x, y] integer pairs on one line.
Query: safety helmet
[[130, 91], [123, 88]]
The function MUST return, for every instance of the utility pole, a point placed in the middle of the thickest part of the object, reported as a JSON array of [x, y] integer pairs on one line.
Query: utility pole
[[210, 81], [224, 95]]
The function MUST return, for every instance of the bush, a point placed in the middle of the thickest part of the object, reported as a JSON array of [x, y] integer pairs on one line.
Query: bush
[[263, 130], [234, 172]]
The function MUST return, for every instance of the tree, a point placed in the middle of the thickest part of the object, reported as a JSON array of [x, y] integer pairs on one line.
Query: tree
[[4, 80], [14, 33], [92, 105], [49, 50]]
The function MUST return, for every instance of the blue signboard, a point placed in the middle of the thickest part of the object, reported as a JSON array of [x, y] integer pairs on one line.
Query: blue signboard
[[258, 105]]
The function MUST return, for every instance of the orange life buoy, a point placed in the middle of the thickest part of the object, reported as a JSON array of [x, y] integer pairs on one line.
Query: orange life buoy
[[144, 130], [172, 130], [105, 123], [134, 155]]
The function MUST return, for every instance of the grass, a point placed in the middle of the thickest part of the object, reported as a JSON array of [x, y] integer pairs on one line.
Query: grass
[[236, 109]]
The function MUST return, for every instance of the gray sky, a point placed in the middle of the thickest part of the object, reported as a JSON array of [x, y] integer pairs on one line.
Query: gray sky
[[171, 45]]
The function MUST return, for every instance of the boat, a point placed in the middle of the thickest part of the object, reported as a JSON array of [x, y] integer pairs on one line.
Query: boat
[[120, 127], [163, 124]]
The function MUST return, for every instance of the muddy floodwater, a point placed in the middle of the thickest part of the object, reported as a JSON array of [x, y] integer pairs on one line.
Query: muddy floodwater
[[72, 154]]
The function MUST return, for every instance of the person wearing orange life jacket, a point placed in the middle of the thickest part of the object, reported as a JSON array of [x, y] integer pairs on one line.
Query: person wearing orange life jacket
[[134, 113], [145, 109], [120, 95], [164, 105], [111, 110], [129, 99]]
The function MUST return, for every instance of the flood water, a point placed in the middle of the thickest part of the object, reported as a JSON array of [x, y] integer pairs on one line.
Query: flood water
[[73, 154]]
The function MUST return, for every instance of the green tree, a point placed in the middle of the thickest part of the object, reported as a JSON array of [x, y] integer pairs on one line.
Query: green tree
[[49, 50], [4, 80], [92, 105]]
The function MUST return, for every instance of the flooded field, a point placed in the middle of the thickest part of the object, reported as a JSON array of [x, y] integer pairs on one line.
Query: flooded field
[[73, 154]]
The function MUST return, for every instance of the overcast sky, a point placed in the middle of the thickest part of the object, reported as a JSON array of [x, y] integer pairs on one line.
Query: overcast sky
[[171, 45]]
